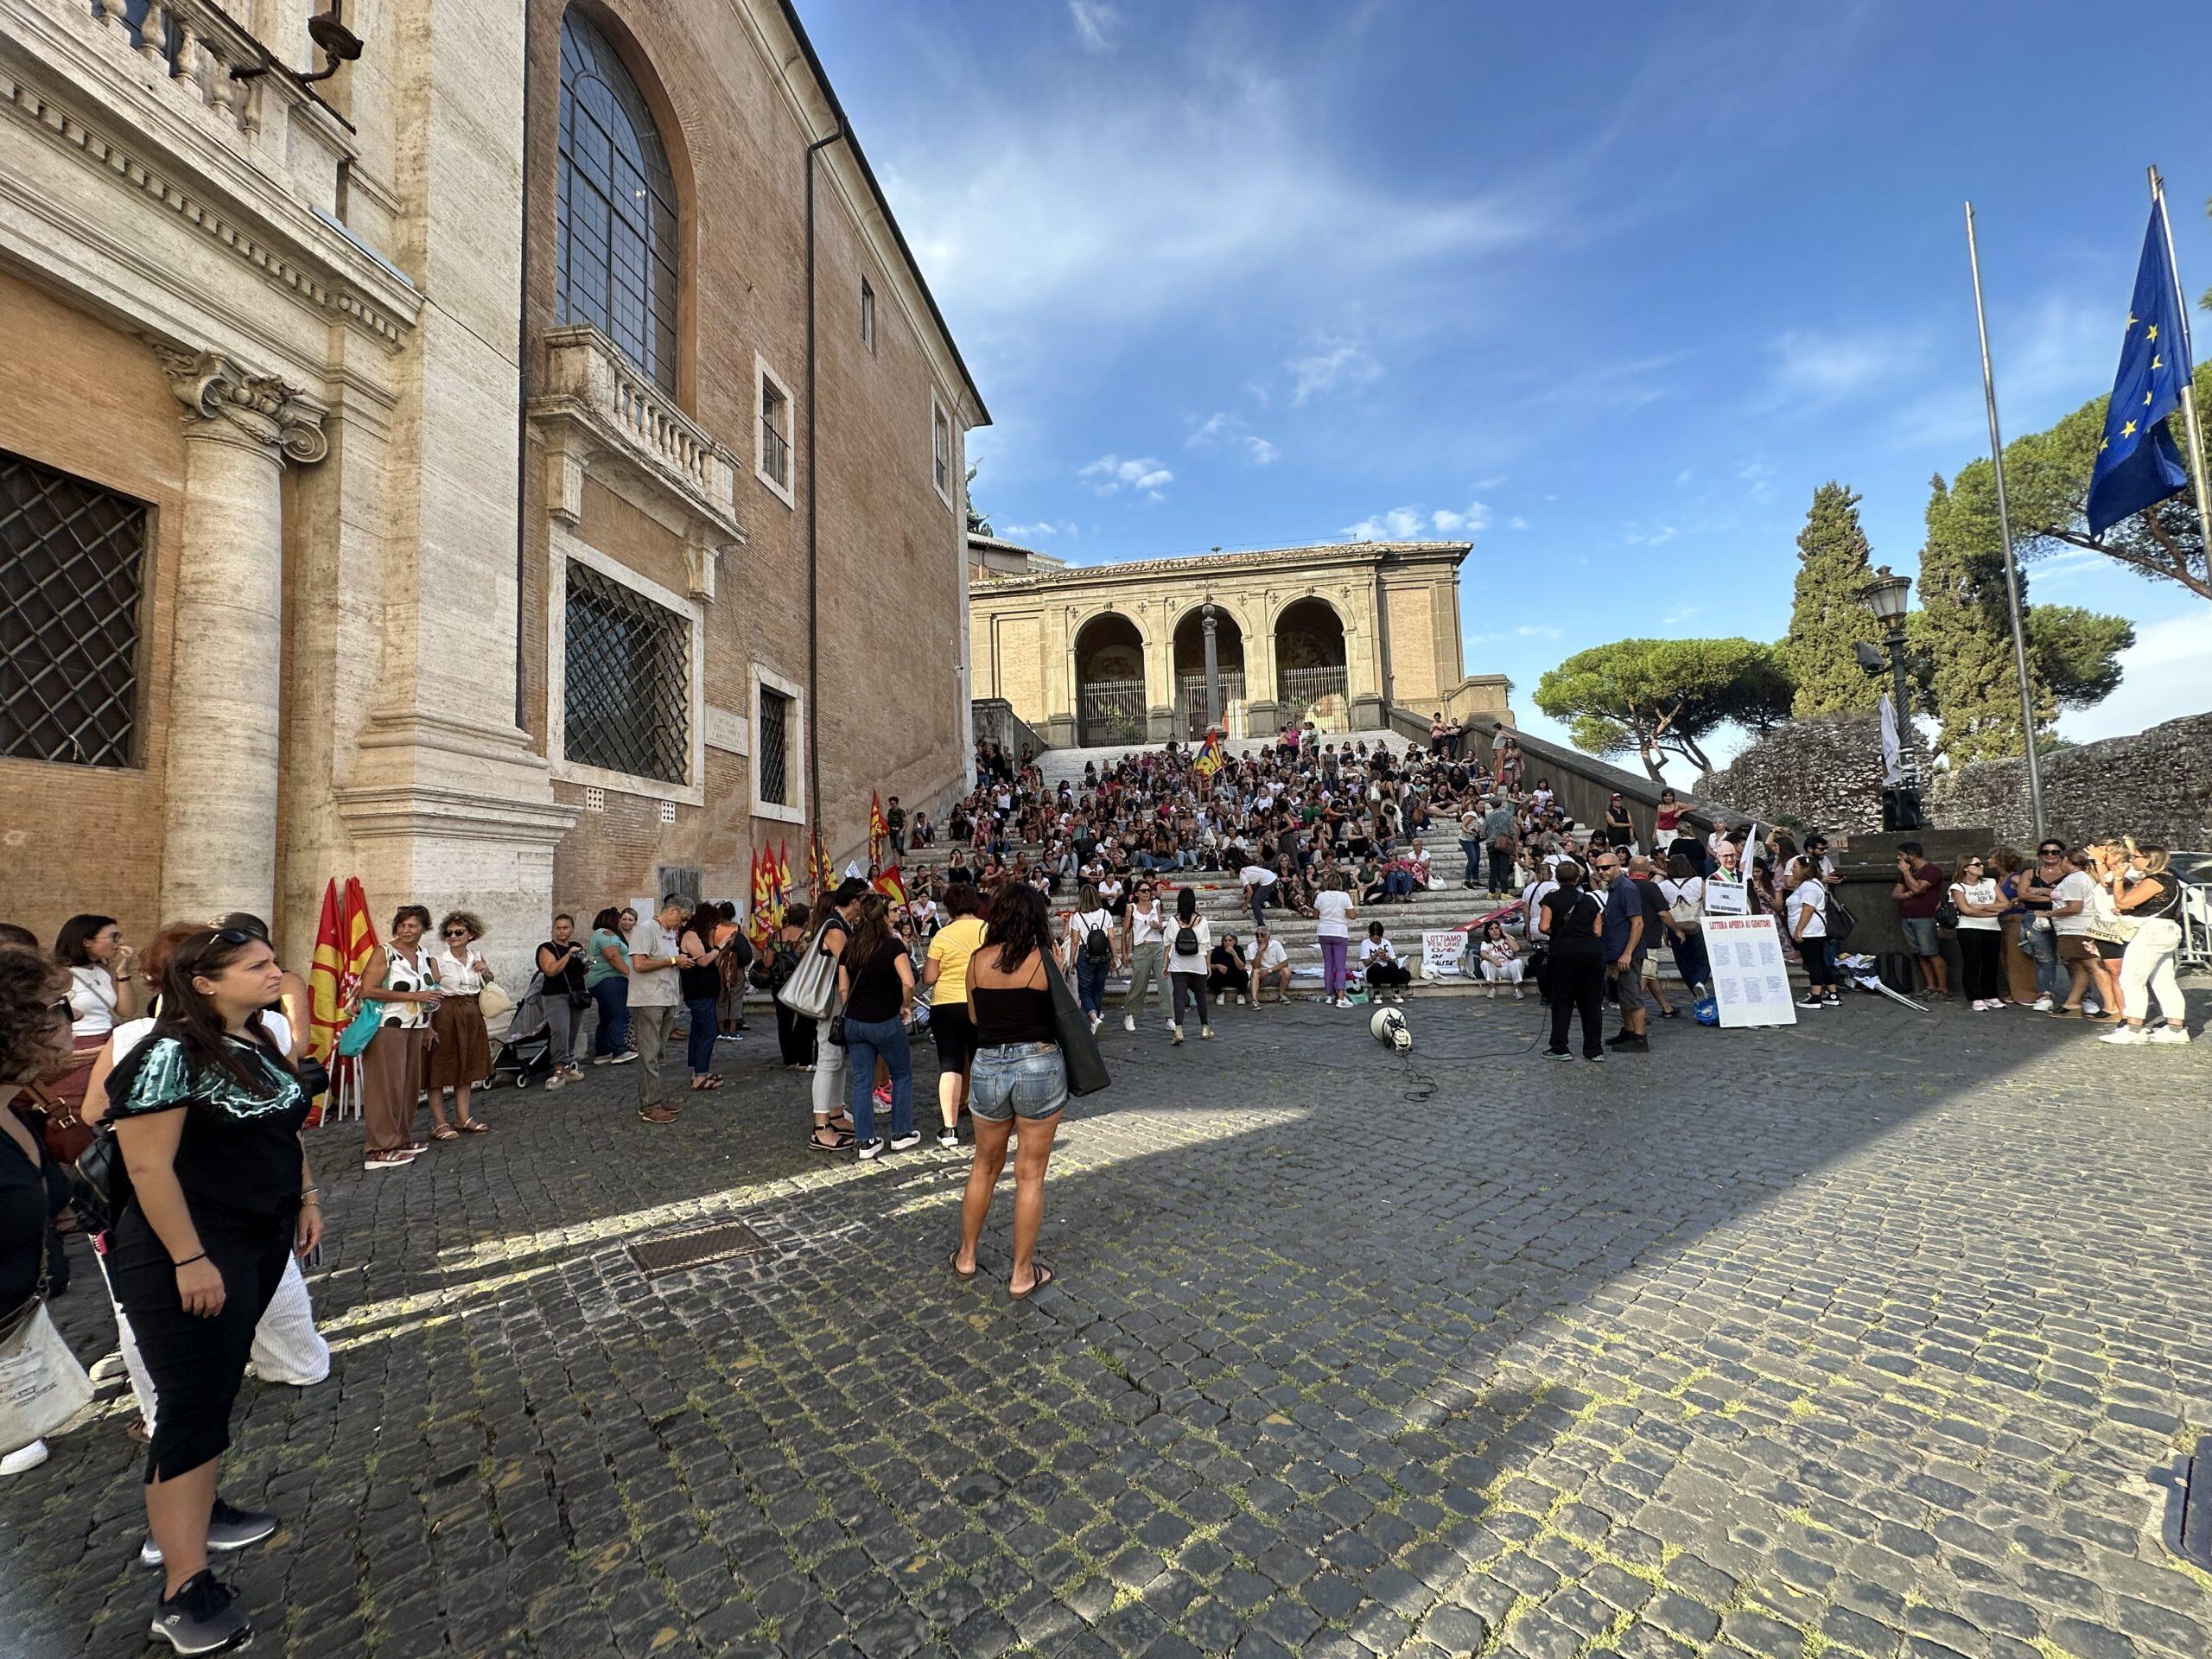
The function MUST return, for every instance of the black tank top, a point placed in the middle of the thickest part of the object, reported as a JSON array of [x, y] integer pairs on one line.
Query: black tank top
[[1013, 1015]]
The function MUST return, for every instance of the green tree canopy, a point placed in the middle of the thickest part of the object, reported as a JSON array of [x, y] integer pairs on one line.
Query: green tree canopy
[[2075, 653], [1827, 615], [2047, 488], [1657, 697], [1966, 628]]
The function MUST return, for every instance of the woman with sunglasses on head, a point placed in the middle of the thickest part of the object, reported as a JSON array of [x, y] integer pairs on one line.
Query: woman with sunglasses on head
[[208, 1113], [36, 1016], [460, 1057]]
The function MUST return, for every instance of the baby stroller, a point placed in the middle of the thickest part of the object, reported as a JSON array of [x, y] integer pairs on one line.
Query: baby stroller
[[525, 1053]]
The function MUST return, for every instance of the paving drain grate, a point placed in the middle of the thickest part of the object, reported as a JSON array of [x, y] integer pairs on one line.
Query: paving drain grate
[[2189, 1509], [673, 1252]]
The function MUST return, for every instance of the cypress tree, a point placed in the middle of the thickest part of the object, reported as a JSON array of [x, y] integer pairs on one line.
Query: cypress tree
[[1966, 627], [1827, 616]]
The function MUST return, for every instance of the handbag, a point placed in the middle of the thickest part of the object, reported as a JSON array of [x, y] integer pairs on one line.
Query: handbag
[[493, 1002], [65, 1133], [361, 1030], [811, 991], [1839, 920], [836, 1034], [42, 1384], [1086, 1067]]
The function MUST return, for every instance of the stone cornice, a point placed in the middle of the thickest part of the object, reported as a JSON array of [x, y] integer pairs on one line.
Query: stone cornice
[[325, 270], [1286, 560], [262, 408]]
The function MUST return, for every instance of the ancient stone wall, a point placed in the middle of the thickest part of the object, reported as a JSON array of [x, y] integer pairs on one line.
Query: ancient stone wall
[[1823, 772]]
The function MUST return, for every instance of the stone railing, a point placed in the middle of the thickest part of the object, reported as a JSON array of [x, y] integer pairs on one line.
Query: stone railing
[[598, 414], [172, 64]]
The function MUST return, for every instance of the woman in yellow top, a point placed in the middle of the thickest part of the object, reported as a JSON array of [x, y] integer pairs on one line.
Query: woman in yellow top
[[946, 976]]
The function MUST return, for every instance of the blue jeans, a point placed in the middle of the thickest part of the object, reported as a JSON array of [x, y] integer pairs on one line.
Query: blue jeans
[[2042, 945], [612, 1034], [863, 1042], [1691, 960], [1473, 852], [1090, 984], [1398, 884], [699, 1048], [1027, 1080]]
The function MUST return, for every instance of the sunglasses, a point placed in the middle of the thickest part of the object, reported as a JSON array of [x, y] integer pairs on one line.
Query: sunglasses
[[63, 1012], [456, 932]]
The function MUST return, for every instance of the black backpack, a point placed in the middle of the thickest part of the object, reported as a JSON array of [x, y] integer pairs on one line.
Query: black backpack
[[1097, 949], [1186, 941]]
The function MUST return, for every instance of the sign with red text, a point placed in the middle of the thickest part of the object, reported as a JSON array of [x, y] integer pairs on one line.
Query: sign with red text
[[1751, 976]]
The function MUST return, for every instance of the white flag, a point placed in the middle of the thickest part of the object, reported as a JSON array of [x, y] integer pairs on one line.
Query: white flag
[[1892, 773]]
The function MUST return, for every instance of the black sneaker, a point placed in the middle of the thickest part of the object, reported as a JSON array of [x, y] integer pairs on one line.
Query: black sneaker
[[907, 1141], [203, 1616], [1628, 1044], [1558, 1054], [867, 1149], [228, 1527], [948, 1139]]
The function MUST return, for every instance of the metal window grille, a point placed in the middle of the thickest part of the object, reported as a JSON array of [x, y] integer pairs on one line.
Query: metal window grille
[[1192, 690], [867, 314], [1111, 711], [941, 448], [775, 748], [72, 560], [1300, 689], [616, 225], [775, 448], [625, 680]]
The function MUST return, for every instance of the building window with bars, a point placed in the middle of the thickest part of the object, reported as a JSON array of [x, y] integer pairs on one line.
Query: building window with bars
[[867, 314], [626, 681], [617, 229], [775, 748], [772, 459], [72, 568], [941, 449]]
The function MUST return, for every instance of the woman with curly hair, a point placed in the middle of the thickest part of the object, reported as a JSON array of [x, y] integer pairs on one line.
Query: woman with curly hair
[[460, 1055], [404, 986], [35, 1042], [208, 1114]]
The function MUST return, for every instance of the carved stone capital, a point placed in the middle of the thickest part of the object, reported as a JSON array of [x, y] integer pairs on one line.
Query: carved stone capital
[[216, 388]]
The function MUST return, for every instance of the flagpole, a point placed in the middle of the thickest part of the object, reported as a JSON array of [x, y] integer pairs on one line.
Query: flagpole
[[2004, 530], [2189, 400]]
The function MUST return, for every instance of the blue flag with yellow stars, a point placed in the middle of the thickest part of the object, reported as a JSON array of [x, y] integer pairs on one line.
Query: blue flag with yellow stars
[[2137, 462]]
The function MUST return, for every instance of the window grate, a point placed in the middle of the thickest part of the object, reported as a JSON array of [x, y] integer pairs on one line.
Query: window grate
[[72, 572], [775, 448], [668, 811], [775, 748], [626, 681], [595, 798], [867, 314]]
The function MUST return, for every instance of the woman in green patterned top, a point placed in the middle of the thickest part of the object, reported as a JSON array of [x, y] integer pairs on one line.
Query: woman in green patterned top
[[208, 1113]]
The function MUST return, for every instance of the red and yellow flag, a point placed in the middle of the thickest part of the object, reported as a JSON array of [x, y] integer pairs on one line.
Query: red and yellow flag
[[892, 886], [879, 832], [345, 945], [817, 867], [785, 896]]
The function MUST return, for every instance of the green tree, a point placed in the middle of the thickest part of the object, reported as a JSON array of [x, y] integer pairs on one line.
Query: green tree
[[1827, 615], [1660, 697], [1966, 628], [2074, 652], [2047, 488]]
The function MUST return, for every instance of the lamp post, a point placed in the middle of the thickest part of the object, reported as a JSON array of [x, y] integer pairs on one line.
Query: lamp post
[[1213, 667], [1886, 595]]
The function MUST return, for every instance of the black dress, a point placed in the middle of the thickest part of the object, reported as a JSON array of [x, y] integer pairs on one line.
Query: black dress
[[31, 1196]]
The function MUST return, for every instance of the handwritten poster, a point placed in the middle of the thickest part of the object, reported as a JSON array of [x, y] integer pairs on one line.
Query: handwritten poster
[[1442, 950]]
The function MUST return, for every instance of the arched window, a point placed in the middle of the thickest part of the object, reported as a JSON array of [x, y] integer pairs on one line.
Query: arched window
[[617, 232]]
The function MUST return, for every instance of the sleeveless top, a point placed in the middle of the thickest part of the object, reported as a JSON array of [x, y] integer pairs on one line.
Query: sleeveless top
[[1013, 1014], [401, 975]]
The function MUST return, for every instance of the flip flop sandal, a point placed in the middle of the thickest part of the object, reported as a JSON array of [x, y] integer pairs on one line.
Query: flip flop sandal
[[952, 1261], [1045, 1276], [839, 1142], [445, 1132], [473, 1126]]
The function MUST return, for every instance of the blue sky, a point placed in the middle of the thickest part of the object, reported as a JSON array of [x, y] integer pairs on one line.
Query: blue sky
[[1609, 292]]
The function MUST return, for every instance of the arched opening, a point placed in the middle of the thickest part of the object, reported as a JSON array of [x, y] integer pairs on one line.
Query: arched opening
[[1310, 664], [1190, 713], [617, 230], [1109, 682]]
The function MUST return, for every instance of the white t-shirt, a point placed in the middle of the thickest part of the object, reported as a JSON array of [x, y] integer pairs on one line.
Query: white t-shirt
[[1197, 962], [1372, 950], [1333, 912], [1532, 902], [93, 997], [1812, 896], [2080, 887], [1083, 924], [1983, 891], [1273, 957], [1256, 876]]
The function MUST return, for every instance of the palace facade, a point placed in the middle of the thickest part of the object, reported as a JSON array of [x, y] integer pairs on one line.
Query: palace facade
[[1116, 653], [491, 468]]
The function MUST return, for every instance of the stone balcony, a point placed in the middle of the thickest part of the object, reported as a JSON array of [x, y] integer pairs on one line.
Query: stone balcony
[[211, 94], [598, 416]]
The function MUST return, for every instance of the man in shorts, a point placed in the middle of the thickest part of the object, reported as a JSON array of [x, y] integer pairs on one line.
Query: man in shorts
[[1919, 892], [1270, 966], [1624, 946]]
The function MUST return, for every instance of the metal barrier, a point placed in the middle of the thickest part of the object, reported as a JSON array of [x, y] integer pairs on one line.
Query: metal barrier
[[2197, 923]]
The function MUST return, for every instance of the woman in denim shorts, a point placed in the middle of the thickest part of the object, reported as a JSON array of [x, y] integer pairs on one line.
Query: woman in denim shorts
[[1018, 1072]]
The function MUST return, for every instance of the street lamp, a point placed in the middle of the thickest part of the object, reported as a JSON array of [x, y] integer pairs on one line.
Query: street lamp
[[1886, 595], [1213, 667]]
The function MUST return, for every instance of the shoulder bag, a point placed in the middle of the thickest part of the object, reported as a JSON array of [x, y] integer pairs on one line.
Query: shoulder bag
[[812, 990], [1839, 920], [361, 1030], [42, 1384], [493, 1002], [1086, 1067]]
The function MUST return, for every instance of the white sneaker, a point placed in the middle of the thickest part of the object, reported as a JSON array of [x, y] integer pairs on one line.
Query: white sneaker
[[624, 1058], [2167, 1034], [23, 1458], [2091, 1006], [1206, 1033], [2041, 1005], [1517, 993], [1129, 1022], [1343, 1002], [1240, 1001], [1176, 1030], [2127, 1036], [1096, 1021], [1491, 992]]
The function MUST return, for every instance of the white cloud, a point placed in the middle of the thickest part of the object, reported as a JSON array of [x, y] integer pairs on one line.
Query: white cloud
[[1682, 479], [1489, 483], [1680, 617], [1636, 536], [1411, 523], [1477, 517], [1109, 473], [1517, 522], [1536, 630], [1224, 428], [1758, 473], [2166, 673], [1330, 365], [1096, 24], [1043, 527], [1814, 368]]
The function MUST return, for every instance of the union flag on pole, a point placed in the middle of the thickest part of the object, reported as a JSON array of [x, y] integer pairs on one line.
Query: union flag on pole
[[879, 832], [892, 886], [345, 945]]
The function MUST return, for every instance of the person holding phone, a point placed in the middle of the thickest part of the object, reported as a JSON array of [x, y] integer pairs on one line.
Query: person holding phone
[[561, 967], [404, 987]]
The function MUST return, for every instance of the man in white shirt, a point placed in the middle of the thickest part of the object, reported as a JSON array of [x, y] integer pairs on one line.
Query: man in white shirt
[[1270, 966], [655, 955], [1259, 881]]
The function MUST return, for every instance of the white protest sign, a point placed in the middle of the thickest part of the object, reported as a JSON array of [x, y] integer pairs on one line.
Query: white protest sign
[[1750, 979], [1725, 896], [1442, 950]]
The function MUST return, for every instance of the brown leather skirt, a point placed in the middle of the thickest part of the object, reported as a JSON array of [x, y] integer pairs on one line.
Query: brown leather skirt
[[464, 1050]]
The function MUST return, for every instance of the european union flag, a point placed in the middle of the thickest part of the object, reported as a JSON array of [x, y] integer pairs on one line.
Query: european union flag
[[2137, 462]]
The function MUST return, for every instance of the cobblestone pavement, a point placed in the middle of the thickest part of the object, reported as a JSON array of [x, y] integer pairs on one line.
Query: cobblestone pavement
[[1870, 1338]]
